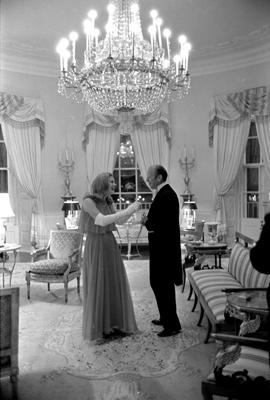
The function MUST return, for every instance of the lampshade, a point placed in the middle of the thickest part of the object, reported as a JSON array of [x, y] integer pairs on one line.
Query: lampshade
[[190, 204], [71, 205], [5, 207]]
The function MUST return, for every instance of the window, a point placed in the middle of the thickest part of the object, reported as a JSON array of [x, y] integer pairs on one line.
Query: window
[[3, 165], [128, 178], [254, 172]]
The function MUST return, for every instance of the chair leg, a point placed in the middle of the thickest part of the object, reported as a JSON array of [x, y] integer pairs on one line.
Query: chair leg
[[195, 302], [190, 292], [49, 287], [27, 278], [184, 278], [78, 285], [208, 331], [66, 291], [207, 395], [201, 316]]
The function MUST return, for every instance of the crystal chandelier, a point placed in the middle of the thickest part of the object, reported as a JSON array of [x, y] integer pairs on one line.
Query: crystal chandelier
[[126, 150], [123, 71]]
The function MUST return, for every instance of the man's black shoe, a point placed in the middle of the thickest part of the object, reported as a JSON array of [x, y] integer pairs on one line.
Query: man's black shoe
[[157, 322], [167, 332]]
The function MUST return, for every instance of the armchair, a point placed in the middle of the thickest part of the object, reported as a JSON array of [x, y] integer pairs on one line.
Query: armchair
[[59, 262]]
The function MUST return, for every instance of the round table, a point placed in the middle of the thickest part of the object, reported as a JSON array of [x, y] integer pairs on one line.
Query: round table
[[250, 306], [4, 250]]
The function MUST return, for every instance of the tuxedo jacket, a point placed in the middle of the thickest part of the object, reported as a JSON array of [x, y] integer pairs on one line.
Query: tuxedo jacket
[[260, 259], [260, 253], [164, 233]]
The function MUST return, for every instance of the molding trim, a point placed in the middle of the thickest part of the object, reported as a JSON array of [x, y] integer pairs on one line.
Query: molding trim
[[239, 52]]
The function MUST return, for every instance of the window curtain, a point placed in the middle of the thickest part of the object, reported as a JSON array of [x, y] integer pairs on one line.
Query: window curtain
[[22, 120], [150, 136], [263, 130], [229, 146], [151, 145], [101, 149], [229, 122]]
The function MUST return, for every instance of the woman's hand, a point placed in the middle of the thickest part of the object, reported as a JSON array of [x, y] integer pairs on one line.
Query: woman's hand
[[134, 207]]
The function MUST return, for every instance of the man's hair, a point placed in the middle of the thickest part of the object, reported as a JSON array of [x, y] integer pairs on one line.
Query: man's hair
[[160, 170]]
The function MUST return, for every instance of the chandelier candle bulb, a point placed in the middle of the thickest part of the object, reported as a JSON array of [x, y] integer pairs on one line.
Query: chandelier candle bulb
[[159, 23], [167, 34], [73, 36], [151, 31], [97, 32], [66, 56]]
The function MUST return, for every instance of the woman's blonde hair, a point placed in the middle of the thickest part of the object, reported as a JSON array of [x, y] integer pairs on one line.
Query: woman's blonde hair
[[100, 187]]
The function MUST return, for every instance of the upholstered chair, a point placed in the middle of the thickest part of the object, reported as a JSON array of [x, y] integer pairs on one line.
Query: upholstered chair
[[59, 262], [241, 369]]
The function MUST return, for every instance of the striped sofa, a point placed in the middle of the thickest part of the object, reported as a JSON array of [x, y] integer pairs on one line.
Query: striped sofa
[[208, 285]]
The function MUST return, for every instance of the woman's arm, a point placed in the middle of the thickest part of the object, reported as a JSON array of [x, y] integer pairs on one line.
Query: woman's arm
[[104, 220]]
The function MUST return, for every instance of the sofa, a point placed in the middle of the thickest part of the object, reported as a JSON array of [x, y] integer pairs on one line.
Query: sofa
[[209, 285]]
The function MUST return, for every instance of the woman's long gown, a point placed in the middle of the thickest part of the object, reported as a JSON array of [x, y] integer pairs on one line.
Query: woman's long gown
[[107, 302]]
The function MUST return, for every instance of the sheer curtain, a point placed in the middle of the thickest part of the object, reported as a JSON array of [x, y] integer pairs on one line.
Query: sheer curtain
[[101, 149], [151, 145], [229, 145], [23, 130]]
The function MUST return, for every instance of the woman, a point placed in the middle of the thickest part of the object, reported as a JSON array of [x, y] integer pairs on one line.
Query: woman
[[107, 303]]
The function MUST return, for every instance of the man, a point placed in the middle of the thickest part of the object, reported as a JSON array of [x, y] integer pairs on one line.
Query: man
[[162, 223], [259, 257]]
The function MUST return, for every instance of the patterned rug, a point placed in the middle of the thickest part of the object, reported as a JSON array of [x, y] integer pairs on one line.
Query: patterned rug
[[56, 327]]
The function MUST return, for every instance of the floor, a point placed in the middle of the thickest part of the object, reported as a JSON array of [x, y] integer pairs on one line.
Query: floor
[[49, 383]]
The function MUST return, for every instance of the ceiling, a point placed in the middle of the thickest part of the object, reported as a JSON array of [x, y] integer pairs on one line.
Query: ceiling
[[223, 33]]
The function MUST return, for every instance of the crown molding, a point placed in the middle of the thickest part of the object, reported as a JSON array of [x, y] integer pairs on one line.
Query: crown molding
[[239, 52]]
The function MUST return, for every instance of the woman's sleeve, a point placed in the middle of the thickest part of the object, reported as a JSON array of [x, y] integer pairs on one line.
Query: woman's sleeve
[[90, 207]]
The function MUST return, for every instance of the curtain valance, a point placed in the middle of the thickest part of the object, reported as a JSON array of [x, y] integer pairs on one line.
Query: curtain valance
[[238, 106], [24, 112], [125, 122]]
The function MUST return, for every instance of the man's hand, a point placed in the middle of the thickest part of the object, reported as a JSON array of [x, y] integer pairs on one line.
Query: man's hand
[[143, 219]]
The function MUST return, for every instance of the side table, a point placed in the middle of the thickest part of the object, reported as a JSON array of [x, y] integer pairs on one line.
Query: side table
[[208, 249], [5, 249], [243, 304], [198, 251]]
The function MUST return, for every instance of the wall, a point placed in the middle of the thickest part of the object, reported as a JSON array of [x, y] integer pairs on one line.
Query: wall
[[189, 127]]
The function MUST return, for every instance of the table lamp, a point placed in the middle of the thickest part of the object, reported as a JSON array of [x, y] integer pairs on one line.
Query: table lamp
[[71, 210], [5, 213]]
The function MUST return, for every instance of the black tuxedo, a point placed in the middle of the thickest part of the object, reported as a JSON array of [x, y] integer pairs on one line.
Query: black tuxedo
[[165, 253]]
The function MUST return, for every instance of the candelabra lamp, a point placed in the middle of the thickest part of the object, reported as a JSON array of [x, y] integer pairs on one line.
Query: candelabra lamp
[[189, 205], [66, 165], [71, 207]]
